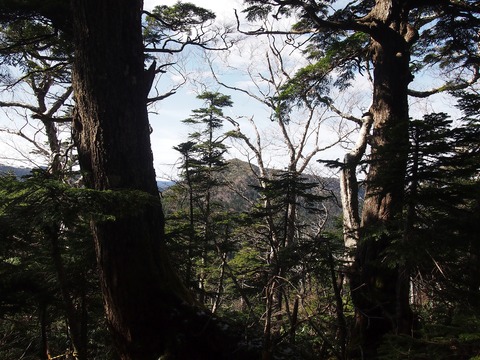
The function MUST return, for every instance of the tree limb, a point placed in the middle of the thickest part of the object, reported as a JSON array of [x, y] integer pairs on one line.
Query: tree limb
[[349, 185], [447, 86]]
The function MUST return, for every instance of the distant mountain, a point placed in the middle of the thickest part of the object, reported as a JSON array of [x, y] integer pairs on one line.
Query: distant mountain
[[163, 185], [238, 191], [22, 171], [240, 184], [18, 171]]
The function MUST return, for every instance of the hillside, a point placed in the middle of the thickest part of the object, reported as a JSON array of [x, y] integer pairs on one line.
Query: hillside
[[240, 182], [19, 171], [238, 192]]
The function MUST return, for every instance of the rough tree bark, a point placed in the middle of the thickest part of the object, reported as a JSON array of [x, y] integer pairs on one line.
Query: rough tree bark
[[113, 142], [148, 310], [375, 283]]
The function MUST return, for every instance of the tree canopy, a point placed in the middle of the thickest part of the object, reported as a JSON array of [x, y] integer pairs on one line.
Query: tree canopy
[[238, 259]]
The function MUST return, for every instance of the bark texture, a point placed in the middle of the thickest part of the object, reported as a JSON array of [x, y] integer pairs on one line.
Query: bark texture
[[114, 149], [148, 309], [378, 287]]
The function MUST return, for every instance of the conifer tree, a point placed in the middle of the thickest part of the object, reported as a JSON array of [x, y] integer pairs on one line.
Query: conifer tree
[[203, 160]]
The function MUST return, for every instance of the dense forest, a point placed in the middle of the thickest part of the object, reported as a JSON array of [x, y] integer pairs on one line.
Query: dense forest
[[374, 256]]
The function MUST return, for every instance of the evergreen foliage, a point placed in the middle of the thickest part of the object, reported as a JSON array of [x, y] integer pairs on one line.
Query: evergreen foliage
[[441, 228], [264, 256], [48, 268], [202, 226]]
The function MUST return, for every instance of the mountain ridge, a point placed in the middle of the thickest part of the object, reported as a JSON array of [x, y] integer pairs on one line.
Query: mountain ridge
[[24, 171]]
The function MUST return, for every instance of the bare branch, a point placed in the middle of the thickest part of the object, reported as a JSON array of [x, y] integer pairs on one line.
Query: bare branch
[[448, 86], [343, 115], [32, 108], [30, 140], [253, 96], [262, 31], [161, 97], [60, 102], [169, 93], [349, 186]]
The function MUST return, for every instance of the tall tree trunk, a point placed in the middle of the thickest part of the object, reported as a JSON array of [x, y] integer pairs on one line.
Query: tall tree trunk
[[148, 309], [375, 279]]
